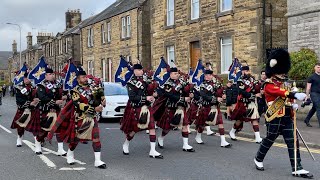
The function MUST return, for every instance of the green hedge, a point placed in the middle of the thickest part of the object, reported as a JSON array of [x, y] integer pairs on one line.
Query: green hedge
[[302, 64]]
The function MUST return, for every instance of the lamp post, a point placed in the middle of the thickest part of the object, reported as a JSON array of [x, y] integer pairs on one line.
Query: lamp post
[[20, 64]]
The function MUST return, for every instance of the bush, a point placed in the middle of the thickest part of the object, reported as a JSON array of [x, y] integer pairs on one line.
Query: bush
[[302, 63]]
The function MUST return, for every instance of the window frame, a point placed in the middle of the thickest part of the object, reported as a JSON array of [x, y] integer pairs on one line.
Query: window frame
[[169, 50], [222, 45], [170, 11], [192, 9], [221, 6]]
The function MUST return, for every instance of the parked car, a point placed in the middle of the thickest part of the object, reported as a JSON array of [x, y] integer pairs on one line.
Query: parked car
[[116, 100]]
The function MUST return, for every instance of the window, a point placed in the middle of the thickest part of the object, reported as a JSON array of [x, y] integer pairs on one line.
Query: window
[[226, 54], [225, 5], [103, 34], [109, 32], [90, 37], [123, 28], [170, 55], [195, 8], [66, 45], [126, 27], [60, 46], [91, 67], [170, 12], [128, 58]]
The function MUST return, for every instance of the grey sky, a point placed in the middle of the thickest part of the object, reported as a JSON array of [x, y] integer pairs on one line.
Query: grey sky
[[40, 16]]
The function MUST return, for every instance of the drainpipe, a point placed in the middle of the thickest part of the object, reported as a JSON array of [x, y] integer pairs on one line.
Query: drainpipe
[[270, 25], [138, 49], [264, 31]]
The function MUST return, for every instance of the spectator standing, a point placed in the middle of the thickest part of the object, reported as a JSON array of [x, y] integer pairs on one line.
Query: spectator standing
[[313, 89]]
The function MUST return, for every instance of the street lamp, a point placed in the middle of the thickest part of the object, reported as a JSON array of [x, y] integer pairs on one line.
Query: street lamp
[[20, 40]]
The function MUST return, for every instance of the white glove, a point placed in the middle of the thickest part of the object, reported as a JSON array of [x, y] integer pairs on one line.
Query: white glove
[[300, 96], [295, 106]]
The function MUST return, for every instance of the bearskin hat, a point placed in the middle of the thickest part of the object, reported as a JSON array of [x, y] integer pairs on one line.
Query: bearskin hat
[[278, 63]]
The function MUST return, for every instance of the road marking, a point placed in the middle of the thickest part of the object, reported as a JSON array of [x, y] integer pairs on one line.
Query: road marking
[[113, 128], [281, 145], [44, 158], [8, 131], [72, 169], [54, 152]]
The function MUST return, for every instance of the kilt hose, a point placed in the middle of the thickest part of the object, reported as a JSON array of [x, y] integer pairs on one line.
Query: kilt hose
[[280, 126], [130, 120], [96, 144], [14, 125]]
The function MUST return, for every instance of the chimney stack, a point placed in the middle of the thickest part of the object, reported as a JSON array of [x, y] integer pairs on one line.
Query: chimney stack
[[14, 47], [29, 41], [73, 18]]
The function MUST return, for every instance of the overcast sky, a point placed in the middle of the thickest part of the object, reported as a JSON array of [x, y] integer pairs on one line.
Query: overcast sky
[[40, 16]]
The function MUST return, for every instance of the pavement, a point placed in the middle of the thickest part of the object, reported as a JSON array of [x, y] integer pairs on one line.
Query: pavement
[[209, 162]]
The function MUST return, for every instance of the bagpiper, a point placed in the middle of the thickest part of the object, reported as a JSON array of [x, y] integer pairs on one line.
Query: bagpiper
[[170, 108], [280, 112], [26, 104], [78, 122], [137, 114], [211, 93], [51, 100], [246, 109]]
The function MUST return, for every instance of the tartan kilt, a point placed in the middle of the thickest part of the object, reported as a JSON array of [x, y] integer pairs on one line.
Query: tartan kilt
[[130, 120], [34, 124], [164, 121], [192, 113], [19, 113], [239, 113], [204, 114]]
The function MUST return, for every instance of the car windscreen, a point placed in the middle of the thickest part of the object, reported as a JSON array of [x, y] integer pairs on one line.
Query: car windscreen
[[114, 90]]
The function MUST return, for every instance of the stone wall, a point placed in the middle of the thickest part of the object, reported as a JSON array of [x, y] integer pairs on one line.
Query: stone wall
[[304, 25], [242, 24], [136, 46]]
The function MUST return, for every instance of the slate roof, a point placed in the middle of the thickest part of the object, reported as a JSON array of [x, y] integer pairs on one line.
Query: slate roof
[[118, 7]]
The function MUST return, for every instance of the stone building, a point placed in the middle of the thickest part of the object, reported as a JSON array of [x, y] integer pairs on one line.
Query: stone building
[[58, 49], [216, 31], [30, 55], [123, 28], [4, 70], [304, 25]]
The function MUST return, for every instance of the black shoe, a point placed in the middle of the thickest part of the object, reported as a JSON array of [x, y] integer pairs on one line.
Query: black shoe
[[124, 153], [84, 142], [309, 125], [73, 163], [19, 145], [233, 139], [227, 146], [161, 147], [307, 176], [64, 155], [156, 157], [103, 166], [38, 153], [189, 150]]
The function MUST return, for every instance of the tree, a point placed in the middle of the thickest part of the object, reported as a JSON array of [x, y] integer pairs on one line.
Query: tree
[[302, 63]]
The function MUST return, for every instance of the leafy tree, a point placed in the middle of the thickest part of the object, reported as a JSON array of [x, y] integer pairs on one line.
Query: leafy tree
[[302, 63]]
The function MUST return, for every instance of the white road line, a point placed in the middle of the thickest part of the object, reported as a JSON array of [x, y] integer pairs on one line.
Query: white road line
[[72, 169], [113, 128], [8, 131], [54, 152], [46, 160]]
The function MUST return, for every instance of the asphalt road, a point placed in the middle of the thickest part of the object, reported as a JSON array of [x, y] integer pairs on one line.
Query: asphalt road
[[210, 161]]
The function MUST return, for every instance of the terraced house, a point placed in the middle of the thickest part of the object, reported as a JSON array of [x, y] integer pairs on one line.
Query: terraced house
[[216, 31], [121, 29]]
